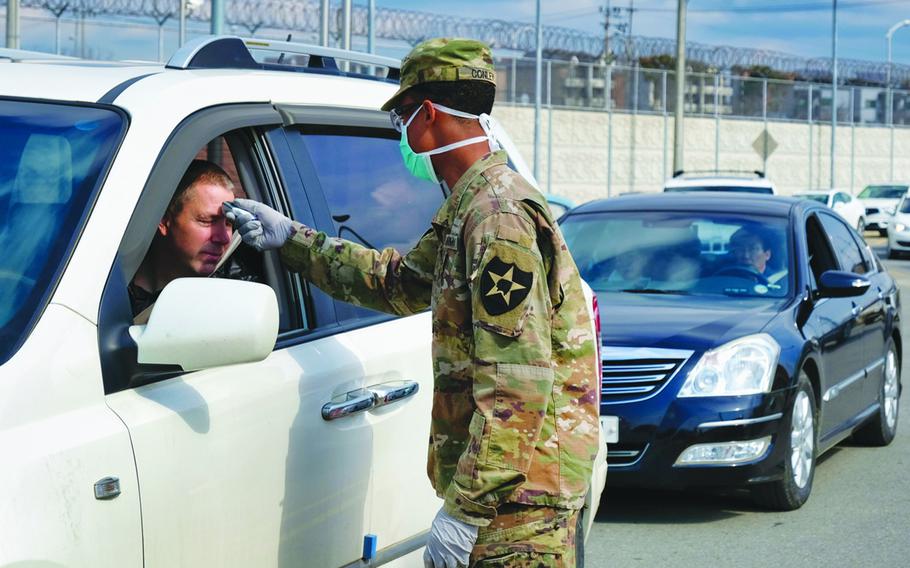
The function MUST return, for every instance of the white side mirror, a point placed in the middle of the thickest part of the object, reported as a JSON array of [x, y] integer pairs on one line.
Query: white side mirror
[[199, 323]]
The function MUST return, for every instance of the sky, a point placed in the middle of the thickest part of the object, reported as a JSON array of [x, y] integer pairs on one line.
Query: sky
[[799, 27]]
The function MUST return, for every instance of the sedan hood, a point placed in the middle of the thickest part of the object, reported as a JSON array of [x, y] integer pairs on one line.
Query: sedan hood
[[884, 204], [681, 322]]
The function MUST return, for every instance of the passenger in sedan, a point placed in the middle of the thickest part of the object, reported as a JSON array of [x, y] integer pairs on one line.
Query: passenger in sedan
[[191, 237]]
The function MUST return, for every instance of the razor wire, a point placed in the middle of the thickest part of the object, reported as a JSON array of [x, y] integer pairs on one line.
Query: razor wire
[[411, 26]]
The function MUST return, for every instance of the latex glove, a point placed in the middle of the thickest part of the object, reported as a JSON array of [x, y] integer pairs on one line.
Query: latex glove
[[259, 225], [450, 542]]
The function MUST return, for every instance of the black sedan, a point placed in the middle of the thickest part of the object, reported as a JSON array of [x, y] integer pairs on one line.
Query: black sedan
[[743, 335]]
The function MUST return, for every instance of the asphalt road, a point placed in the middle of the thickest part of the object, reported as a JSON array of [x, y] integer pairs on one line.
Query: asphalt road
[[858, 514]]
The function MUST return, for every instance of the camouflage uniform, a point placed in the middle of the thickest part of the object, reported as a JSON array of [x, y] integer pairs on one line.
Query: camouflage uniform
[[514, 423]]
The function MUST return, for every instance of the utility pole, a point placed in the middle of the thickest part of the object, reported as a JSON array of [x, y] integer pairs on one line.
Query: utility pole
[[324, 23], [217, 17], [833, 89], [12, 24], [537, 94], [678, 133]]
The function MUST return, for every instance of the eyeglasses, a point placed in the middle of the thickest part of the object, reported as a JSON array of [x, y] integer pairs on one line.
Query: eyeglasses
[[398, 114]]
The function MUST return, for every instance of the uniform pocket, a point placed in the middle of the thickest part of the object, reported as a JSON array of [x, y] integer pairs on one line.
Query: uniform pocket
[[522, 395], [465, 472]]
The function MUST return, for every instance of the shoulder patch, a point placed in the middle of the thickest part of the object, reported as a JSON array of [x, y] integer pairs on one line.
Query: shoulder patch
[[503, 286]]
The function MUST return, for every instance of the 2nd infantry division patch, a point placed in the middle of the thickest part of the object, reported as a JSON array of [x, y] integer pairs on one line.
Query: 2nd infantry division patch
[[503, 286]]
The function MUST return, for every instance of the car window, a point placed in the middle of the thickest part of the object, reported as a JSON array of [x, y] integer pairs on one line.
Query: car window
[[821, 257], [691, 253], [733, 188], [52, 159], [840, 198], [371, 197], [848, 252], [904, 206], [821, 198], [883, 192]]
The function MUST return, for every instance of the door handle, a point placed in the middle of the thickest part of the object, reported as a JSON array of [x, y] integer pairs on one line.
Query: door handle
[[856, 310], [388, 393], [354, 402]]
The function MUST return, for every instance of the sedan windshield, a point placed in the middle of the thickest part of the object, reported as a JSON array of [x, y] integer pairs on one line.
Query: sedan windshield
[[52, 158], [682, 253], [883, 192]]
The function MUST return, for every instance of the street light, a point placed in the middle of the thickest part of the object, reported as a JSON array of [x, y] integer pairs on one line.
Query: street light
[[12, 24], [833, 89], [678, 132], [187, 6], [889, 113]]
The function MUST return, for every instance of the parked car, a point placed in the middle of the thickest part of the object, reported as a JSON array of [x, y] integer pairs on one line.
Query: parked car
[[880, 202], [742, 338], [899, 230], [558, 204], [246, 424], [842, 203], [736, 182]]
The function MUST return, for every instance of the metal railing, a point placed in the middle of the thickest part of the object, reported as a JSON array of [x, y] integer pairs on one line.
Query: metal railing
[[643, 90]]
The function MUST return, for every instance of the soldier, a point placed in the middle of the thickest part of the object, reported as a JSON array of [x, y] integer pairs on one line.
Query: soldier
[[514, 422]]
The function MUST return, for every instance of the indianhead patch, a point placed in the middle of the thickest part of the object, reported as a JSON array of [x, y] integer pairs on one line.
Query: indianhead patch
[[503, 286]]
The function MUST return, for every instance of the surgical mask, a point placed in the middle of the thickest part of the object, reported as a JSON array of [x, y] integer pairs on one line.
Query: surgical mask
[[421, 165]]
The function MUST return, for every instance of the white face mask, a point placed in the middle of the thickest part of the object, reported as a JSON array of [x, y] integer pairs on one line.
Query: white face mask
[[420, 165]]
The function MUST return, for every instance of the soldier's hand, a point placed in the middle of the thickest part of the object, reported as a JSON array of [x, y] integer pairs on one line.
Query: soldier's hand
[[259, 225], [450, 542]]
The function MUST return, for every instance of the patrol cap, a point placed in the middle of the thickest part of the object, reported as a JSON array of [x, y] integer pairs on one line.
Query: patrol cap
[[444, 59]]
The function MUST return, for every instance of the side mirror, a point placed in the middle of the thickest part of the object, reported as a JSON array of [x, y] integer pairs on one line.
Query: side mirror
[[199, 323], [839, 284]]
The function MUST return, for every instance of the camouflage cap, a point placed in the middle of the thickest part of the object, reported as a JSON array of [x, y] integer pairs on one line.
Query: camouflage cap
[[444, 59]]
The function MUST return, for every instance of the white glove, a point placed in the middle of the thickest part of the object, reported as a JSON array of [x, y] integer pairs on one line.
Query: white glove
[[450, 542], [259, 225]]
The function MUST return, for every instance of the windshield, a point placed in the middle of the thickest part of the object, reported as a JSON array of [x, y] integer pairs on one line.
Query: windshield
[[684, 253], [820, 197], [883, 192], [904, 207], [736, 188], [52, 157]]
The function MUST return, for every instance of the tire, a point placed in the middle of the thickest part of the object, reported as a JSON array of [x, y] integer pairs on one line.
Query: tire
[[801, 439], [883, 232], [881, 429], [893, 254]]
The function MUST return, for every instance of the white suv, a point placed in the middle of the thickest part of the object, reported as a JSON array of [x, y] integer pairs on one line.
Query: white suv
[[740, 182], [247, 424]]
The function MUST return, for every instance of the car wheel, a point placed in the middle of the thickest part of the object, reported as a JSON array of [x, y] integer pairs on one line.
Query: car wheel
[[881, 429], [792, 491], [883, 232], [893, 254]]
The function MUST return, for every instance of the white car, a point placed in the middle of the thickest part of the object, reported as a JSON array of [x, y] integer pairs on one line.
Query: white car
[[844, 204], [899, 230], [880, 202], [753, 182], [246, 424]]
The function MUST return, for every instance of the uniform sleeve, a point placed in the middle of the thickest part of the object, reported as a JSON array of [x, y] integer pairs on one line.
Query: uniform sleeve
[[381, 280], [513, 373]]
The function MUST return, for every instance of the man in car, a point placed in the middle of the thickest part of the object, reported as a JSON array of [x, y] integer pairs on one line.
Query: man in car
[[191, 237], [515, 420], [750, 250]]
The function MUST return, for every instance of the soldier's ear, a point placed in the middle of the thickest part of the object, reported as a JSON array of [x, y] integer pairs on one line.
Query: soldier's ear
[[430, 110]]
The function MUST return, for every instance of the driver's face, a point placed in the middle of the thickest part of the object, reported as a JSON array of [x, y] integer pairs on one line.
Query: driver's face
[[751, 252], [200, 233]]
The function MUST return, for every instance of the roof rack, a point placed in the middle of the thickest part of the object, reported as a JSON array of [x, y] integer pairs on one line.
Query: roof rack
[[680, 173], [232, 52]]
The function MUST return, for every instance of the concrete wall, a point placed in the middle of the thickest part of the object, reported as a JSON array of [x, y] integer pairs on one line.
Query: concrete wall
[[587, 165]]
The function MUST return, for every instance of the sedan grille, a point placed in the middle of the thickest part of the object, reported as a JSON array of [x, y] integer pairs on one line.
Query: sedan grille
[[635, 373]]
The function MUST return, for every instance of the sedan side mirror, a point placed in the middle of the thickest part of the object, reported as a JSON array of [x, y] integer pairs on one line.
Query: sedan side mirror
[[840, 284], [199, 323]]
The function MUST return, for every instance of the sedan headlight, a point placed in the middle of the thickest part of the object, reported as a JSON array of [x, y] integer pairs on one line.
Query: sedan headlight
[[900, 227], [743, 366]]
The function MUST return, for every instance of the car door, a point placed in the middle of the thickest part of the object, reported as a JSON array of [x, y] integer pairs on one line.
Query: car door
[[360, 190], [868, 319], [877, 337], [236, 465], [831, 324]]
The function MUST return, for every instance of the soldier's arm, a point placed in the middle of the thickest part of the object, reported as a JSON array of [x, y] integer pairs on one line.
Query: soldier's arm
[[513, 373], [382, 280]]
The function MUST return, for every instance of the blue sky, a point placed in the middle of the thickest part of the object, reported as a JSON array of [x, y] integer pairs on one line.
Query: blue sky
[[861, 23], [762, 24]]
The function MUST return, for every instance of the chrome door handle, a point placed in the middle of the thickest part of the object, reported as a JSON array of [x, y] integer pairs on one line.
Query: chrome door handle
[[355, 402], [856, 311], [388, 393]]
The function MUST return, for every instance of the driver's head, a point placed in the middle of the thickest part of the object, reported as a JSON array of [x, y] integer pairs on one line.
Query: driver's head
[[194, 233], [749, 248]]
